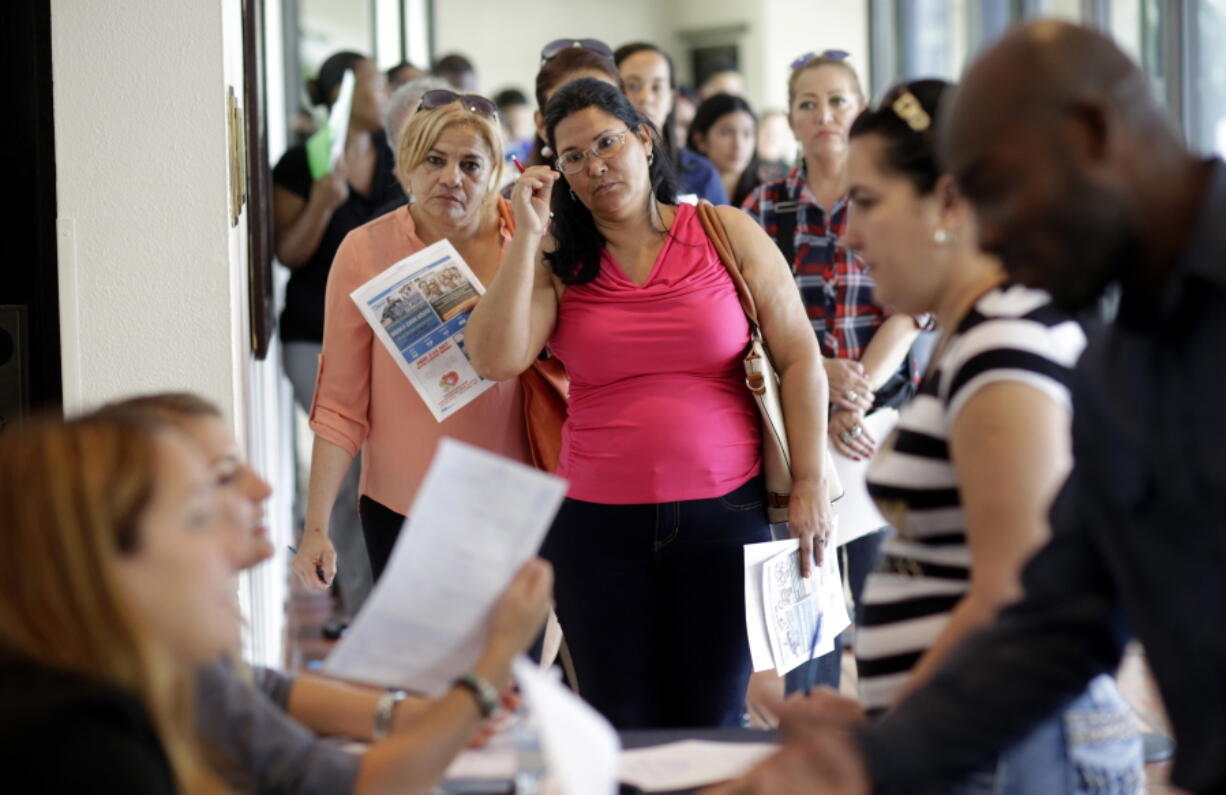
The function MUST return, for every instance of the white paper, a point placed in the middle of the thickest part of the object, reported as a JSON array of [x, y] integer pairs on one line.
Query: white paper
[[781, 608], [338, 119], [418, 309], [580, 747], [858, 514], [690, 763], [495, 761], [477, 519]]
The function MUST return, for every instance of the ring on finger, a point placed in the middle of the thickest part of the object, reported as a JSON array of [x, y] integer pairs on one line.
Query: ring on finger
[[855, 431], [845, 437], [852, 395]]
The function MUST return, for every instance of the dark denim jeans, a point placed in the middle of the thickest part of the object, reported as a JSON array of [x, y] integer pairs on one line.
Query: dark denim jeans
[[856, 560], [651, 599]]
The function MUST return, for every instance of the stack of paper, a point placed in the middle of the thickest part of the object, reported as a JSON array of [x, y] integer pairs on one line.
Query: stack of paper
[[476, 520], [782, 609]]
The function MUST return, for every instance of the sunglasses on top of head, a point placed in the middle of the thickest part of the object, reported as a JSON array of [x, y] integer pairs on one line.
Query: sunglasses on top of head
[[551, 50], [834, 55], [473, 103]]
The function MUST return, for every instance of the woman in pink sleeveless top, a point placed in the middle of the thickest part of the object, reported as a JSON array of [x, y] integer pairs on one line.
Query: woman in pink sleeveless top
[[662, 442]]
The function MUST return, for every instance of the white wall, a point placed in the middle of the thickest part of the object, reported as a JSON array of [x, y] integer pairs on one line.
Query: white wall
[[153, 278], [504, 40]]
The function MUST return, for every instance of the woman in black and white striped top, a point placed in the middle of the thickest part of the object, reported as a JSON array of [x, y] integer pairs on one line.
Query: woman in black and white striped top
[[977, 456]]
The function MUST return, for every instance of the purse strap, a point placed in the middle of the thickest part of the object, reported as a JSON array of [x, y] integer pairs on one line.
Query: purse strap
[[717, 233]]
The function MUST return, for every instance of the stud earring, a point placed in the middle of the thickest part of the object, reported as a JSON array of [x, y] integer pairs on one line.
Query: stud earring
[[941, 236]]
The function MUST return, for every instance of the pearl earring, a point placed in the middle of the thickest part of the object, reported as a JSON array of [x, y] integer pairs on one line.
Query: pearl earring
[[940, 236]]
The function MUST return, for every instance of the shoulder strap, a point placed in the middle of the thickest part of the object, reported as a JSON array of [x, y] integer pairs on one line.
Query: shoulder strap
[[718, 235], [785, 231]]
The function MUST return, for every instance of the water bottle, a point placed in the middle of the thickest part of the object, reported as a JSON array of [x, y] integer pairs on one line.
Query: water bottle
[[529, 757]]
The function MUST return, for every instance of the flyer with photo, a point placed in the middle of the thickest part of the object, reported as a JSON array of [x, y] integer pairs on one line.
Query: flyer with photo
[[418, 308]]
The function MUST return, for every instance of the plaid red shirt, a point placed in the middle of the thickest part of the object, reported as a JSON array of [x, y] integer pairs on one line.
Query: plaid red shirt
[[836, 289]]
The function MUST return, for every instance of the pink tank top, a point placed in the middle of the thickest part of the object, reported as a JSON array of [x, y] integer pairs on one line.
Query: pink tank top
[[658, 408]]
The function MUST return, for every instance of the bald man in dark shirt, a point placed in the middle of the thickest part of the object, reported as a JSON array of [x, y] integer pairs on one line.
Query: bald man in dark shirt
[[1079, 182]]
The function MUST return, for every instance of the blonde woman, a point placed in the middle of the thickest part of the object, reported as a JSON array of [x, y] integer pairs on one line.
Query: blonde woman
[[119, 588], [264, 730], [449, 158]]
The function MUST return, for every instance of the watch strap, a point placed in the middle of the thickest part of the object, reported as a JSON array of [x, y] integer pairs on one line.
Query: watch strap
[[385, 710], [486, 695]]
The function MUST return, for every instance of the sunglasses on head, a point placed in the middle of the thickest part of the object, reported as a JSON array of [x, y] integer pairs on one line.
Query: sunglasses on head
[[835, 55], [551, 50], [473, 103]]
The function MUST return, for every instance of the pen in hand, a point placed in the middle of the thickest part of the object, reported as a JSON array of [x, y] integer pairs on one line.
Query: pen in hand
[[817, 633], [518, 164], [319, 570]]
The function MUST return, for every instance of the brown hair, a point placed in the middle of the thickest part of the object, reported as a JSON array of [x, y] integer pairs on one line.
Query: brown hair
[[168, 406], [819, 61], [423, 129], [71, 499]]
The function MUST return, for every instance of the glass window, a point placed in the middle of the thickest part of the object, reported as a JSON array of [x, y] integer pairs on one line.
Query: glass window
[[1208, 80], [1070, 10], [1136, 25], [933, 38]]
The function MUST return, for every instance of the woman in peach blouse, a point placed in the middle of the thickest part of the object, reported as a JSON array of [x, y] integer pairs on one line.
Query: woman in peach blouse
[[449, 159]]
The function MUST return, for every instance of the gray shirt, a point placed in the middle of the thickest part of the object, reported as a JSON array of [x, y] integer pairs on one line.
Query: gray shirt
[[256, 746]]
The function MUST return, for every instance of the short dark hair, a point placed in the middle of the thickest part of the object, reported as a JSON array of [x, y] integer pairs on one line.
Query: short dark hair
[[452, 65], [576, 260], [909, 152], [510, 96], [330, 75]]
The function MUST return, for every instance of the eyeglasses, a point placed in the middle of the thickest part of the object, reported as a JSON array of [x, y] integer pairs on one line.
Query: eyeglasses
[[473, 103], [607, 146], [834, 55], [551, 50]]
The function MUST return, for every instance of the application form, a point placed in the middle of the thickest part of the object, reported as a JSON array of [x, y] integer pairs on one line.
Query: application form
[[477, 519]]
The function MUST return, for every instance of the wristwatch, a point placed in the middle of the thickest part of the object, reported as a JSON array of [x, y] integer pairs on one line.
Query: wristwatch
[[385, 709], [487, 696]]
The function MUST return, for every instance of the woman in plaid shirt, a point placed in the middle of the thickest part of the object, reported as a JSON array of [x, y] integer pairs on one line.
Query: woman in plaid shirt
[[864, 346]]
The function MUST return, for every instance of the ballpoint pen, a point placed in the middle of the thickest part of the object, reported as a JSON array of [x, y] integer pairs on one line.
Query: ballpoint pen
[[817, 632]]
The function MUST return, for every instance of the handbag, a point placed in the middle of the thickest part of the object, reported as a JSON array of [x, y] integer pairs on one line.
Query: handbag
[[763, 383], [545, 387]]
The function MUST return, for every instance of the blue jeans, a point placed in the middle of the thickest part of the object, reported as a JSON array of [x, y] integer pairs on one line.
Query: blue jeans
[[1090, 748], [651, 599], [856, 560]]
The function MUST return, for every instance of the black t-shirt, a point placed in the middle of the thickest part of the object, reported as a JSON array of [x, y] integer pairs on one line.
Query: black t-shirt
[[61, 732], [303, 317]]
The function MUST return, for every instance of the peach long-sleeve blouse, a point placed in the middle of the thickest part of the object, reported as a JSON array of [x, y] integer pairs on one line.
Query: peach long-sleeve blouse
[[363, 402]]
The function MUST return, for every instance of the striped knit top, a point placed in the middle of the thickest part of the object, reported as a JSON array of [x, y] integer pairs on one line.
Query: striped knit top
[[1012, 333]]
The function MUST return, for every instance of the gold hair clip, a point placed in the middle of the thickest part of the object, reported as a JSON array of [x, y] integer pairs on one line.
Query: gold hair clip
[[912, 112]]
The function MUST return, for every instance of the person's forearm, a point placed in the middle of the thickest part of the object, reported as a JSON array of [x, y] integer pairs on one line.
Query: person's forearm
[[888, 348], [498, 336], [971, 614], [414, 758], [301, 239], [329, 464], [804, 394]]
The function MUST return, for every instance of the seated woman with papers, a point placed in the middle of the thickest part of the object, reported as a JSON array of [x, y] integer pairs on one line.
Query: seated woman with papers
[[262, 729], [449, 158], [119, 588]]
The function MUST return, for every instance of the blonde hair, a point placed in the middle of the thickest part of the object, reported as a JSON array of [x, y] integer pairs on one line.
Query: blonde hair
[[71, 499], [816, 62], [423, 129]]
